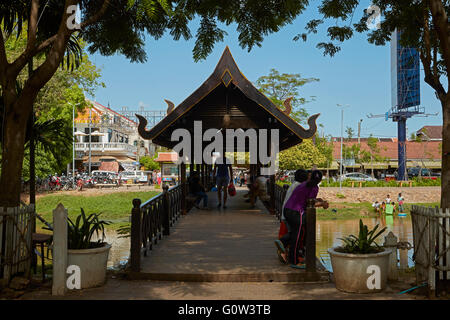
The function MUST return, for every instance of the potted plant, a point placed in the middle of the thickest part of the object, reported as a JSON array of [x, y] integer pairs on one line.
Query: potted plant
[[91, 256], [360, 265]]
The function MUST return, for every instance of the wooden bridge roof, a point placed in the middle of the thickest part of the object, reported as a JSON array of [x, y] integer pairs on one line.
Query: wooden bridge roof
[[227, 100]]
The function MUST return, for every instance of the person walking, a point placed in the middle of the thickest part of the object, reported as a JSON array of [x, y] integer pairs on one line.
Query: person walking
[[223, 173], [242, 179]]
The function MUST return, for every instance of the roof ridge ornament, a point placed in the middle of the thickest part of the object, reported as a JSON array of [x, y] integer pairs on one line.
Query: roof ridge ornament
[[170, 105], [288, 106], [226, 77]]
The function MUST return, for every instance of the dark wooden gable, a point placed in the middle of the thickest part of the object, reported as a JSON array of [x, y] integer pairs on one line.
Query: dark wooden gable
[[228, 100]]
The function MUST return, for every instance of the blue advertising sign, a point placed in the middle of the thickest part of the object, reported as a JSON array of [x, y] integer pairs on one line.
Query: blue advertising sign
[[405, 74]]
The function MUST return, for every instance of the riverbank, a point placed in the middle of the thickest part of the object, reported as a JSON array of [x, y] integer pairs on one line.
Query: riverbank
[[370, 194]]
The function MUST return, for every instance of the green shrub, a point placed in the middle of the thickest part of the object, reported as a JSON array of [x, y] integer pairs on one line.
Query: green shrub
[[364, 243], [80, 234]]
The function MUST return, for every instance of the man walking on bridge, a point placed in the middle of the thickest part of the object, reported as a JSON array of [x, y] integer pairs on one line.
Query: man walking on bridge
[[223, 173]]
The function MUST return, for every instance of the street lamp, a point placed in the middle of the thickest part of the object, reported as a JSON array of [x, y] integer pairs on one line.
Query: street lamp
[[342, 139]]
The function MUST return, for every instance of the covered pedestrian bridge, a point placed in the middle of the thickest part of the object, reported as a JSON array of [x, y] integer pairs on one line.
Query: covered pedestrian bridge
[[226, 100]]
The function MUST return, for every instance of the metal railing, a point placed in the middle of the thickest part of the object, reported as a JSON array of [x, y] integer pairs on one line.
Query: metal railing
[[81, 146], [152, 220], [279, 194]]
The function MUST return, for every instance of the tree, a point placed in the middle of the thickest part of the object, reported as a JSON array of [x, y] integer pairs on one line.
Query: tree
[[301, 156], [423, 25], [52, 114], [350, 133], [278, 87], [149, 163], [108, 27], [325, 148]]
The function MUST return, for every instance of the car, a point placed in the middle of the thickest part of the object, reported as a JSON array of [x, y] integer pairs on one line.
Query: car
[[135, 176], [357, 176], [424, 172]]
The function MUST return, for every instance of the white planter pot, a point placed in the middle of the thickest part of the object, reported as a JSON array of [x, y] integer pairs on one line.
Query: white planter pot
[[360, 273], [92, 263]]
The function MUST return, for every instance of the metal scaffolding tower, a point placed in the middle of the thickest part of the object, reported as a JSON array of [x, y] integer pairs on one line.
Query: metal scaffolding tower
[[152, 116]]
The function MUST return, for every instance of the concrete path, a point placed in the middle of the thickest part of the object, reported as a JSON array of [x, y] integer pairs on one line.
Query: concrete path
[[222, 245], [116, 289]]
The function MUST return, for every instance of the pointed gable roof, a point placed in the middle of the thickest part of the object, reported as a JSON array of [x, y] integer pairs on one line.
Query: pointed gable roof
[[227, 73]]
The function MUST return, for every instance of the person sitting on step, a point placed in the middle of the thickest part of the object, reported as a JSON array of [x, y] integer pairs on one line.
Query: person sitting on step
[[196, 188]]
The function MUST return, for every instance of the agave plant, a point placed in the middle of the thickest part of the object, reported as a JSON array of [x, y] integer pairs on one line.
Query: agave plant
[[80, 233], [364, 243]]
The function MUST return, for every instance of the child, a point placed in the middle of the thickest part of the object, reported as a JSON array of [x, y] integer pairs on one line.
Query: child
[[394, 207], [383, 207], [400, 200], [388, 199], [376, 206]]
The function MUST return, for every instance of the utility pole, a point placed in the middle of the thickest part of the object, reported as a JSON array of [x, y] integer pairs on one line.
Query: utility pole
[[359, 131], [342, 141], [90, 115], [73, 146]]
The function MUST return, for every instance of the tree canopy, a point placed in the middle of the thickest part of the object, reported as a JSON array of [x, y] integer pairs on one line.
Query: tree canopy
[[301, 156], [278, 87]]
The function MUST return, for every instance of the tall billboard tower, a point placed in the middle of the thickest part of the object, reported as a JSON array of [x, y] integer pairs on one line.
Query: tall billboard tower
[[405, 81]]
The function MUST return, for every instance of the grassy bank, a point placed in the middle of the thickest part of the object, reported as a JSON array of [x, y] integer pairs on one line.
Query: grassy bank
[[115, 207], [380, 183]]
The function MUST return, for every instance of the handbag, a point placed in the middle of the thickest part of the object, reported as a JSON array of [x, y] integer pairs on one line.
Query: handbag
[[231, 190], [283, 230]]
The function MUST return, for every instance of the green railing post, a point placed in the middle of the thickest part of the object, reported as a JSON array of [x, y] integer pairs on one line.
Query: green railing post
[[310, 236], [136, 236], [166, 212]]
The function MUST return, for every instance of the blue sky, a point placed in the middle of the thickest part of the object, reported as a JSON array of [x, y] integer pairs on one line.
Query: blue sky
[[359, 75]]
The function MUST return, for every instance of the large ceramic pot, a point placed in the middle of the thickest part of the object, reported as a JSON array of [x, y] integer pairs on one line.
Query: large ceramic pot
[[360, 273], [92, 263]]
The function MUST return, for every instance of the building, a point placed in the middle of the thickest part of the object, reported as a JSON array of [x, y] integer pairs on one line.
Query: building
[[431, 133], [418, 153], [115, 143], [169, 167]]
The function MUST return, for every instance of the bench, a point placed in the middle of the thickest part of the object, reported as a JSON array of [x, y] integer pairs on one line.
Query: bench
[[133, 185], [405, 182], [106, 185]]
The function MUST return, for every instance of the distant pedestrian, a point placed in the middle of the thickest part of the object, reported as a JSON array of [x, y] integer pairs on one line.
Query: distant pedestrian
[[401, 201], [158, 177], [223, 173], [242, 177]]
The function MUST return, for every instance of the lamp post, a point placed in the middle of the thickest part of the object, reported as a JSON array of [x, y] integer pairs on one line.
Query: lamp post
[[90, 138], [342, 139], [73, 141]]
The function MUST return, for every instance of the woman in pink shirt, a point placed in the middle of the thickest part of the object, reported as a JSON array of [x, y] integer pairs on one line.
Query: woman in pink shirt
[[294, 212]]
